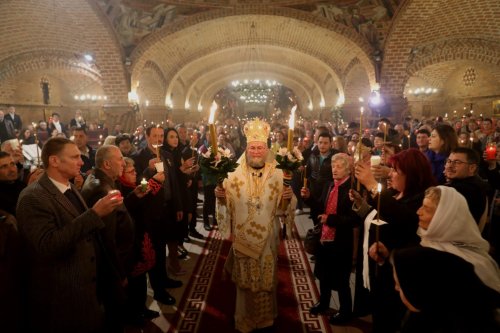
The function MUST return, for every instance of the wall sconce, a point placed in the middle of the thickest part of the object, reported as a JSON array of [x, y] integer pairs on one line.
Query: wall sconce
[[310, 106], [340, 101], [133, 98]]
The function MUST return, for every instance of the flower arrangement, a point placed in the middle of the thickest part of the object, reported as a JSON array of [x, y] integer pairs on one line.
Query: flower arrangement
[[289, 160], [219, 165]]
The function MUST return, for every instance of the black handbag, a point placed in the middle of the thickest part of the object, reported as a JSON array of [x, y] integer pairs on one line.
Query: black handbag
[[312, 241]]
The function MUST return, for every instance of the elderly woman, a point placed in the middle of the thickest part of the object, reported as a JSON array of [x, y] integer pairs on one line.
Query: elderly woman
[[443, 293], [334, 260], [144, 256], [446, 224], [455, 258], [410, 176]]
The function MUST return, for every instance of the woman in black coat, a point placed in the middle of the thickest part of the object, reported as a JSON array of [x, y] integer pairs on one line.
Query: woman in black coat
[[179, 230], [410, 176], [334, 259]]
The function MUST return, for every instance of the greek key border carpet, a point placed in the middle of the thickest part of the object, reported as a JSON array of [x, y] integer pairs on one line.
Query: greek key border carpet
[[208, 301]]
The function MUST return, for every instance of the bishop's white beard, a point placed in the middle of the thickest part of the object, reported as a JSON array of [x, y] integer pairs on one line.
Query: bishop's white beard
[[256, 162]]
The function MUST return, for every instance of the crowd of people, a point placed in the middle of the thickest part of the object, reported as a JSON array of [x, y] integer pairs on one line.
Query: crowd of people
[[93, 222]]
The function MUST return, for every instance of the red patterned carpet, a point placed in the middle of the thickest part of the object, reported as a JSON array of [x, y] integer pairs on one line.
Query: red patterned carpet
[[208, 301]]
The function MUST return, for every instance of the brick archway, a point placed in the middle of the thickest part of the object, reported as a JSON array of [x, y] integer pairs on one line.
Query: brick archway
[[420, 23], [47, 60], [479, 50], [159, 44]]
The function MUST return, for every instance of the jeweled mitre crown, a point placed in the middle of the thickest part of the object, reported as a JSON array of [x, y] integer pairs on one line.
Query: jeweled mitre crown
[[257, 130]]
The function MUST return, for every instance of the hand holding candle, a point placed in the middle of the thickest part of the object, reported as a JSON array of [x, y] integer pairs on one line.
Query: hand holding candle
[[144, 185]]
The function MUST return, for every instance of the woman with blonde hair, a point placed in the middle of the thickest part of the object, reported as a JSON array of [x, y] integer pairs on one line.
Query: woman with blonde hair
[[334, 259]]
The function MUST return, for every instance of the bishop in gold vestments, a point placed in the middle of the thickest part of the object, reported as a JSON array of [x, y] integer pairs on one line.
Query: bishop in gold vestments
[[247, 209]]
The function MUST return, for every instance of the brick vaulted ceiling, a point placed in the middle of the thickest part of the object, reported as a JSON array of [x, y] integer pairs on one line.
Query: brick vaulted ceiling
[[184, 51], [228, 44]]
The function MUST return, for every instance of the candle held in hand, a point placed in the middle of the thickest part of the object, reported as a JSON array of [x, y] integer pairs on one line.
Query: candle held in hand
[[144, 185], [491, 151]]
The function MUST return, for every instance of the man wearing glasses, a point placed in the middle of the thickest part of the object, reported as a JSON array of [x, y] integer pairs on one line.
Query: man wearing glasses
[[461, 173]]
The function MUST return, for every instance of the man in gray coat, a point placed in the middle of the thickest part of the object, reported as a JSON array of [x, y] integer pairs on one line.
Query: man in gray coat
[[60, 237]]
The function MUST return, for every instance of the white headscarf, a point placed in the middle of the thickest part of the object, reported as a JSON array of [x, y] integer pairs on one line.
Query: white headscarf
[[454, 230]]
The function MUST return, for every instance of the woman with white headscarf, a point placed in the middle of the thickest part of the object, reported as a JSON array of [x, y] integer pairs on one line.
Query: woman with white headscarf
[[446, 224], [450, 284]]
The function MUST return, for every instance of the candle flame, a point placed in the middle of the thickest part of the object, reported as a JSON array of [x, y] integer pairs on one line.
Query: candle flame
[[291, 121], [362, 109], [379, 187], [212, 113]]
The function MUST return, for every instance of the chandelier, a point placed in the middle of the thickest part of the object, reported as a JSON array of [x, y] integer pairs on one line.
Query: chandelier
[[254, 91], [423, 91], [88, 97]]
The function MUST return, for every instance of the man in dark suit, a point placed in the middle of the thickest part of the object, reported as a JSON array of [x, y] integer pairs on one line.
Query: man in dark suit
[[16, 120], [7, 130], [10, 185], [62, 248], [87, 153], [163, 214], [117, 236]]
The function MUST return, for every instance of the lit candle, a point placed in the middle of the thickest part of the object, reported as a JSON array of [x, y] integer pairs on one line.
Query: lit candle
[[491, 151], [291, 127], [211, 127], [144, 185], [408, 136], [471, 141]]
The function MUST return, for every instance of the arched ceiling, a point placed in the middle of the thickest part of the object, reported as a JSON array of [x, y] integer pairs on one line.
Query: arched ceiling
[[192, 48], [246, 60], [213, 45]]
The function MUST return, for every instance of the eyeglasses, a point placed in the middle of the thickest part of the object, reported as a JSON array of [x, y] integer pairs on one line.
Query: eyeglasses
[[130, 171], [456, 162]]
